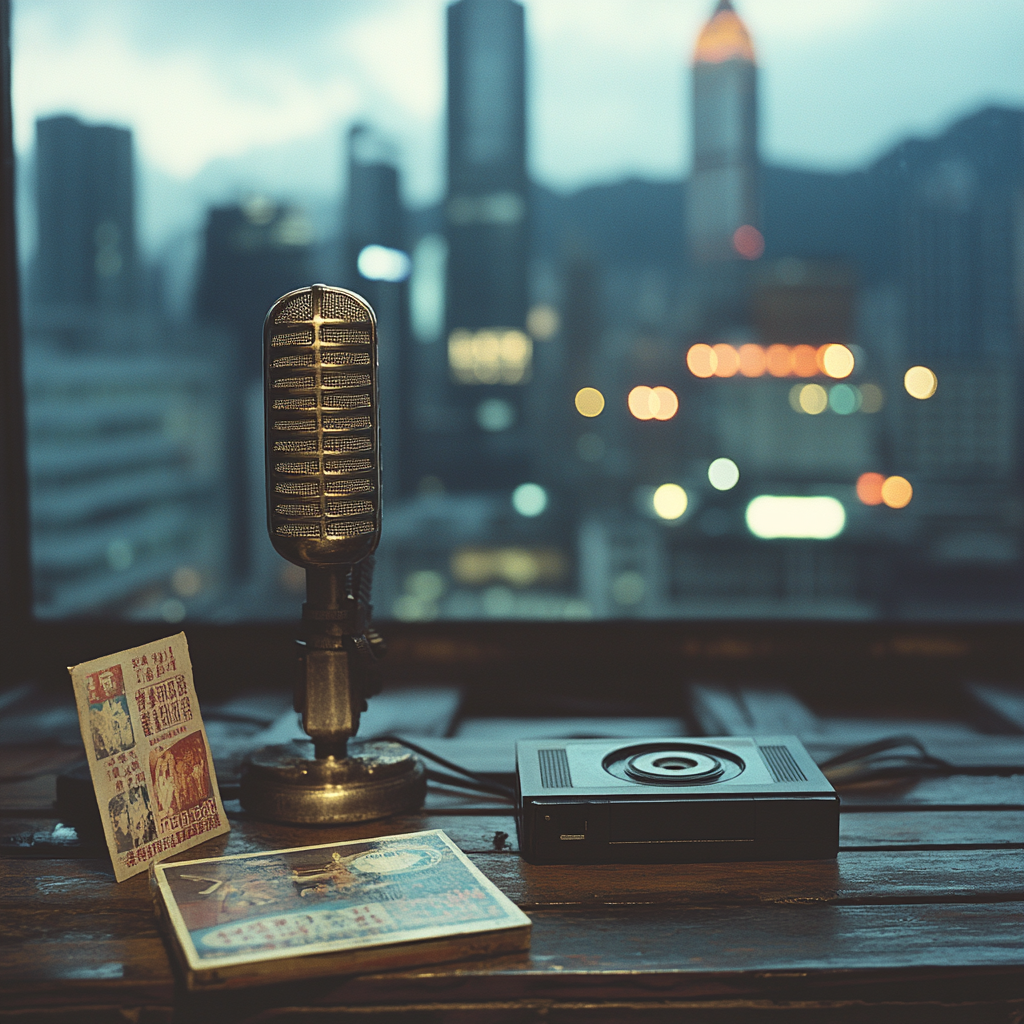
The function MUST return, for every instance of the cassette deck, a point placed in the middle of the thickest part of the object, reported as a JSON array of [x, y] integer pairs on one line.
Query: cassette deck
[[673, 800]]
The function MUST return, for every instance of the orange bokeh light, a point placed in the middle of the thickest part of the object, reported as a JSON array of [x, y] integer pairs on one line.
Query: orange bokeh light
[[722, 360], [805, 361], [752, 361], [658, 403], [728, 360], [639, 402], [897, 492], [701, 360], [869, 488], [748, 241], [664, 403], [780, 360]]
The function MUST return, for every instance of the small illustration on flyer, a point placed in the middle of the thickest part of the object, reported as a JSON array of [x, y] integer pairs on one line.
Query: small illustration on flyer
[[150, 761]]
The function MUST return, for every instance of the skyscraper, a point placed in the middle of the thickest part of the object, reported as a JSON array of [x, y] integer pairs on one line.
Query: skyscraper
[[86, 219], [254, 253], [723, 203], [375, 265], [489, 352], [123, 408]]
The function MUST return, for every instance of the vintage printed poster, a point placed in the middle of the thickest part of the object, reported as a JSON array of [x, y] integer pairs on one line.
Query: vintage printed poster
[[321, 899], [148, 755]]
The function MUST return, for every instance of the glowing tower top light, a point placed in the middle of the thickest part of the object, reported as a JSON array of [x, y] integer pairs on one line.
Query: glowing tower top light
[[723, 202], [723, 38]]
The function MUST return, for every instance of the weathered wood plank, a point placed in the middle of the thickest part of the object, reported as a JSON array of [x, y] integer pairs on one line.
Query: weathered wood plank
[[927, 828], [965, 791], [38, 894], [74, 938], [647, 953], [489, 833], [966, 876]]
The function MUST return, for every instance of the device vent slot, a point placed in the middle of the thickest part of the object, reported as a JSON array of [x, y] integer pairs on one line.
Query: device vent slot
[[782, 765], [554, 768]]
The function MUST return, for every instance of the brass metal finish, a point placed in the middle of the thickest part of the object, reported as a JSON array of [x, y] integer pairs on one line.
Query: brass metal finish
[[323, 513], [323, 440], [376, 780]]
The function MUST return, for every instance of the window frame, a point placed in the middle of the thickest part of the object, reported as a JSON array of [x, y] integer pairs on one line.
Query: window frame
[[517, 666]]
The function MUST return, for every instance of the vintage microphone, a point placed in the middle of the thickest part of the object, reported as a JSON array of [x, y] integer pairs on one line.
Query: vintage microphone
[[324, 514]]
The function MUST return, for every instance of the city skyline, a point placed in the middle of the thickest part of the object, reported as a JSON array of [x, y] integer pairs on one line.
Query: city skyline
[[513, 493], [576, 89]]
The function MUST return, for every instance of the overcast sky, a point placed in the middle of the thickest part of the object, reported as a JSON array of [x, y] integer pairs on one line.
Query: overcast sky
[[230, 96]]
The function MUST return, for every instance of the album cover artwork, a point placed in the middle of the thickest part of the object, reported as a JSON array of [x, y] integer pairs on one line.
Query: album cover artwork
[[354, 906], [148, 755]]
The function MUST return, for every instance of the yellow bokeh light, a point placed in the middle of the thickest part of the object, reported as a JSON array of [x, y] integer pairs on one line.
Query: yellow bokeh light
[[871, 398], [920, 382], [813, 399], [186, 581], [837, 361], [589, 402], [702, 360], [897, 492], [519, 567], [494, 356], [664, 403], [669, 501], [543, 322]]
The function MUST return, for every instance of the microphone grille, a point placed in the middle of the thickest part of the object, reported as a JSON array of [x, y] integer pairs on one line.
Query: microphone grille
[[322, 427]]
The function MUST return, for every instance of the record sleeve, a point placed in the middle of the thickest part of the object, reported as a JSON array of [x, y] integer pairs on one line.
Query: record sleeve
[[340, 908]]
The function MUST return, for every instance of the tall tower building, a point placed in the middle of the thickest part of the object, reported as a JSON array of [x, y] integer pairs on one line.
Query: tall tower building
[[253, 254], [375, 265], [723, 203], [488, 350], [85, 198]]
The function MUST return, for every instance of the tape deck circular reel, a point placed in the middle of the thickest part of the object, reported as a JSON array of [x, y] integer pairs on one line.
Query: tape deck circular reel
[[672, 764]]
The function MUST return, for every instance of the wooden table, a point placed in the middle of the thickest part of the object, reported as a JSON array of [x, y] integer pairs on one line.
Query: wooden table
[[919, 919]]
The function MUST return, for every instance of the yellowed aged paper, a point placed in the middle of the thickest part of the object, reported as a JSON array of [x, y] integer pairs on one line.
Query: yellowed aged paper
[[148, 754]]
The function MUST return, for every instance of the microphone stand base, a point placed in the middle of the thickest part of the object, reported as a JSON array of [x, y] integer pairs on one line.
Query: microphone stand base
[[376, 780]]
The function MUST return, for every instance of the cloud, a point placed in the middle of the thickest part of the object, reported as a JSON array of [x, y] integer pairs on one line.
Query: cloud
[[210, 93], [202, 82]]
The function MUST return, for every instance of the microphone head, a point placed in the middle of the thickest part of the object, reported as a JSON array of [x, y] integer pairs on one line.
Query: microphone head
[[322, 427]]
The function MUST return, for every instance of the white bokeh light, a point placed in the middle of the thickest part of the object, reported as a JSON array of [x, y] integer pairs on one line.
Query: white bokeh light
[[723, 474], [529, 500]]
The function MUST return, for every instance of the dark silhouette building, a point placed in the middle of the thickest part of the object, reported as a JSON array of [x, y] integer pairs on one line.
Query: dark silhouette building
[[723, 199], [486, 225], [375, 264], [254, 254], [85, 198]]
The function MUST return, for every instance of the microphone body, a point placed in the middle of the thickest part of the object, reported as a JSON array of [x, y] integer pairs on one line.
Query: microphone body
[[322, 427], [324, 513], [323, 493]]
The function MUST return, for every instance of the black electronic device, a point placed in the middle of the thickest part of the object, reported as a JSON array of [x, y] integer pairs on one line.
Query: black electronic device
[[673, 800]]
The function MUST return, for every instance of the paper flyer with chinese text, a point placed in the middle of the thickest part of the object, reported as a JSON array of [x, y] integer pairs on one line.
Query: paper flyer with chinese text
[[148, 755]]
